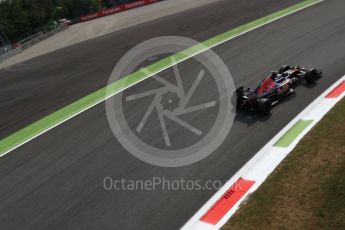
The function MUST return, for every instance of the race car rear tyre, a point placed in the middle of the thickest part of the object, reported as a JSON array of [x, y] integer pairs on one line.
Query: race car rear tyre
[[264, 106], [236, 101], [283, 69], [239, 97]]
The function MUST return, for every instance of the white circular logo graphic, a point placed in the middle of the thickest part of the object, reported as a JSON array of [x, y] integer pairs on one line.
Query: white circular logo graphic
[[179, 115]]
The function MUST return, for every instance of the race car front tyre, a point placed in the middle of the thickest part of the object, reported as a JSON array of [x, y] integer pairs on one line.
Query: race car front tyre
[[311, 76], [283, 69]]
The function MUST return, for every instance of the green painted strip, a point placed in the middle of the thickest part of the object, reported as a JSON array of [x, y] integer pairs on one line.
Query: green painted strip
[[286, 140], [13, 141]]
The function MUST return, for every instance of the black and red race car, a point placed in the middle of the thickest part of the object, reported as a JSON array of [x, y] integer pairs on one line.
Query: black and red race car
[[274, 88]]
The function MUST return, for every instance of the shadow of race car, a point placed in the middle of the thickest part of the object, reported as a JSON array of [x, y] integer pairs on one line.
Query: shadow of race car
[[274, 88]]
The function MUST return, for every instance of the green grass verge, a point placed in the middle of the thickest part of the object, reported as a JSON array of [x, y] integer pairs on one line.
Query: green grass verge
[[307, 190]]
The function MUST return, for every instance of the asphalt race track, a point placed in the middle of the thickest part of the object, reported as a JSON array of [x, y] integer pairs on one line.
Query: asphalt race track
[[32, 92], [56, 180]]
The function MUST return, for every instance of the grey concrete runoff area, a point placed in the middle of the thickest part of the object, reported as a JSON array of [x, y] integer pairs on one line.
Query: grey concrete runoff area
[[56, 180], [91, 29]]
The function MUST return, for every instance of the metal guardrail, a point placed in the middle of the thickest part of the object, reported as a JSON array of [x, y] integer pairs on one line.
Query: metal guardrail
[[31, 42], [34, 39], [10, 53]]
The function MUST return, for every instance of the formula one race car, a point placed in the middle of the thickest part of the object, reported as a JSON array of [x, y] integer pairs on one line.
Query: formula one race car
[[274, 88]]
